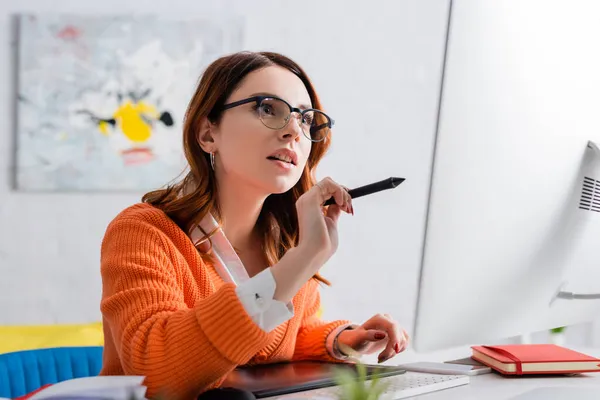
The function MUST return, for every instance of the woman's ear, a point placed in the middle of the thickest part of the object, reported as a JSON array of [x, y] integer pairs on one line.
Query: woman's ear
[[205, 136]]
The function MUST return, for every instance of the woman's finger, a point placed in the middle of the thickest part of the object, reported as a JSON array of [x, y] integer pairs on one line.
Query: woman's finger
[[395, 339], [361, 341], [339, 195], [333, 212], [406, 340], [363, 336], [329, 188], [348, 200]]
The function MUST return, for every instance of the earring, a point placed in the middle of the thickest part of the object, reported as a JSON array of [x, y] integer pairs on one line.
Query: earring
[[212, 160]]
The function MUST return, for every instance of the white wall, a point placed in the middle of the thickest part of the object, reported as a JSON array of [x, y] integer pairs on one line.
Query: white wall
[[377, 68]]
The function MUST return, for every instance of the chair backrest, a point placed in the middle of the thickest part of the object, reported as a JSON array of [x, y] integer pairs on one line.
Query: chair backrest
[[22, 372]]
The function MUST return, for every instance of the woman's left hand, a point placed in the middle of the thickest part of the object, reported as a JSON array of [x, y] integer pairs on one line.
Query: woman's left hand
[[379, 332]]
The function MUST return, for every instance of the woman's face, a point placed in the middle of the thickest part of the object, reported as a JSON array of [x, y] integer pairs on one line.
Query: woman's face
[[251, 154]]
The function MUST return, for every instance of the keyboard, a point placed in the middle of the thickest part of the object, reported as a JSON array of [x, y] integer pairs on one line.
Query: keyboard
[[400, 387]]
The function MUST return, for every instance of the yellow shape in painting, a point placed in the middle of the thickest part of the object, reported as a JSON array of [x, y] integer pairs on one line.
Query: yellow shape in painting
[[144, 108], [103, 126], [131, 121]]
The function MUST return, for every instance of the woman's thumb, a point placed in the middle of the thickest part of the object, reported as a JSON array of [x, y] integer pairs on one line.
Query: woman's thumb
[[334, 211], [365, 336], [376, 335]]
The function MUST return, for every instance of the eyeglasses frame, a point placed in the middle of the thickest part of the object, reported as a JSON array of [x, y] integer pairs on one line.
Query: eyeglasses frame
[[259, 99]]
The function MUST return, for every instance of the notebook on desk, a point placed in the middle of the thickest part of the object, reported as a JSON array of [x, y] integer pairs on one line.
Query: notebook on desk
[[522, 359], [285, 378]]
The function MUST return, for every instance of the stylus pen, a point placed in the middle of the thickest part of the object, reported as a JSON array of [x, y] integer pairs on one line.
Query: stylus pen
[[371, 188]]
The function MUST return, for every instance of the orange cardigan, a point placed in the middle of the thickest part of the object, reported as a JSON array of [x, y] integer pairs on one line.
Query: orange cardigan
[[167, 315]]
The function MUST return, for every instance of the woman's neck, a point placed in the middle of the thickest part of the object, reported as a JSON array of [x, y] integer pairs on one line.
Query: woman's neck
[[240, 207]]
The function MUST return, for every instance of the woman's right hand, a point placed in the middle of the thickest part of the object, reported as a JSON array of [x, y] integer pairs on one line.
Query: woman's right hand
[[318, 230], [318, 237]]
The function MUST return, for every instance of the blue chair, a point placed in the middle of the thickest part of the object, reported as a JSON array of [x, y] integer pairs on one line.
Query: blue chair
[[23, 372]]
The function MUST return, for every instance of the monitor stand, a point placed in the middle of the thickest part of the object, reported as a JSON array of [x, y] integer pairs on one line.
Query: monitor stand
[[589, 204]]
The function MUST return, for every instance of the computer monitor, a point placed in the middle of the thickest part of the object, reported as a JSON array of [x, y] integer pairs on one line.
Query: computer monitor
[[514, 204]]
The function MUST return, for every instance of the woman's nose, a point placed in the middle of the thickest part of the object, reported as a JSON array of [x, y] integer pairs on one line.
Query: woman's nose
[[293, 129]]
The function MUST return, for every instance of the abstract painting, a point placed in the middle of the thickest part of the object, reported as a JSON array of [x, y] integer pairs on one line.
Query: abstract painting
[[101, 99]]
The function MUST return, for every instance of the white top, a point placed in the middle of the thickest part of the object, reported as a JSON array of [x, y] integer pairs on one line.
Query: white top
[[256, 293]]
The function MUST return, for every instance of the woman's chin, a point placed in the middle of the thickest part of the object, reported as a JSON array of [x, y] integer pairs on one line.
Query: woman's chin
[[282, 185]]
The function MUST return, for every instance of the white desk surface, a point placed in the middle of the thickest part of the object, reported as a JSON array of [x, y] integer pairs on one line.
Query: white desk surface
[[494, 386]]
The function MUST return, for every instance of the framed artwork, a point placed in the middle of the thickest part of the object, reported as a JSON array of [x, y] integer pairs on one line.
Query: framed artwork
[[101, 99]]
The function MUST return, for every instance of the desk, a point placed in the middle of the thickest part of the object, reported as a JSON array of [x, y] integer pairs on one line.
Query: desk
[[497, 387]]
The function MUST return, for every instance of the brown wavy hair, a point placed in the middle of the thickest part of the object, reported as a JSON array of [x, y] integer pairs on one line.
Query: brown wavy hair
[[278, 221]]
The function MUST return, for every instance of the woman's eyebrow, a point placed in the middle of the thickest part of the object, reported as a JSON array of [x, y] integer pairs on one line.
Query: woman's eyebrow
[[301, 106]]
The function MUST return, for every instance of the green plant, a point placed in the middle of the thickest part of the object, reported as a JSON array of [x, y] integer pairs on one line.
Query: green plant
[[357, 386], [558, 330]]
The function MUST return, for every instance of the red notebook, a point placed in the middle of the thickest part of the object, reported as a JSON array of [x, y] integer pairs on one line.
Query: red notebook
[[521, 359]]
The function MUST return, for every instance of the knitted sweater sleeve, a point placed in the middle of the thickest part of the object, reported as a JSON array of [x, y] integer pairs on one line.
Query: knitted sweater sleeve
[[181, 350], [311, 343]]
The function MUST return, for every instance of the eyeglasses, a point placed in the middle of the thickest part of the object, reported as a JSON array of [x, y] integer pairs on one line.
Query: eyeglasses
[[275, 113]]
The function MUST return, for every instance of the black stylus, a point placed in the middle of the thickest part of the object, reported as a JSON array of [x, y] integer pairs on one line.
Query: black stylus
[[371, 188]]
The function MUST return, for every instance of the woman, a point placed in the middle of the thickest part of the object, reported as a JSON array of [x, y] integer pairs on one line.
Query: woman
[[253, 136]]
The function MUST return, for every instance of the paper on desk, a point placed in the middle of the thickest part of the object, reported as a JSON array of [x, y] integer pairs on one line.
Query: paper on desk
[[113, 387]]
